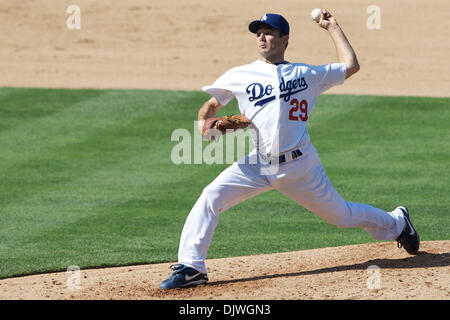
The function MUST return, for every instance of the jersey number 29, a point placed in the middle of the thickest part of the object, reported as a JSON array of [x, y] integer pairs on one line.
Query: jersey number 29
[[294, 113]]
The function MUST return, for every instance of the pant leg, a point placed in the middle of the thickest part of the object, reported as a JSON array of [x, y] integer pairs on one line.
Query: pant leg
[[235, 184], [314, 191]]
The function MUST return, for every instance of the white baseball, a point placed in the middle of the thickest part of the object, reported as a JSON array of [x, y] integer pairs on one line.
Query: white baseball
[[315, 14]]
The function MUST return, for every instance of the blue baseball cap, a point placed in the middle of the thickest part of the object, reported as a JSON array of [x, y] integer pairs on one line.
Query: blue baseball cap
[[274, 20]]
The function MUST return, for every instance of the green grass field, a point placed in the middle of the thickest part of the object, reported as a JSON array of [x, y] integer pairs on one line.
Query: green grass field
[[86, 176]]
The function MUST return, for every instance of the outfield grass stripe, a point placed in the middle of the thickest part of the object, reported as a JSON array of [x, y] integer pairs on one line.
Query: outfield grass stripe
[[21, 106], [102, 148], [93, 125]]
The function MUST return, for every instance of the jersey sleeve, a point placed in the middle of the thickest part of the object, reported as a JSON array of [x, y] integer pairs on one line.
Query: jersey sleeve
[[329, 75], [223, 89]]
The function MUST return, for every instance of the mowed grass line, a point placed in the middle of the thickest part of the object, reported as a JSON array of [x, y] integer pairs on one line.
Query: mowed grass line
[[87, 179]]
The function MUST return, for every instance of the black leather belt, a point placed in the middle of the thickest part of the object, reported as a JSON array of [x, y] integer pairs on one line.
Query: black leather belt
[[295, 154]]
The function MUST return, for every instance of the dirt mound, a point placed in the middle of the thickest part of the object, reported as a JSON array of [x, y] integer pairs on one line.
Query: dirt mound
[[367, 271]]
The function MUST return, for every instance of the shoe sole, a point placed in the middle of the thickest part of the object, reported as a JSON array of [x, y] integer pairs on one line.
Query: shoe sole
[[188, 284]]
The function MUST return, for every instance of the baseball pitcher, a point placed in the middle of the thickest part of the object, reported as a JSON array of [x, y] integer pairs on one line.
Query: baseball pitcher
[[277, 97]]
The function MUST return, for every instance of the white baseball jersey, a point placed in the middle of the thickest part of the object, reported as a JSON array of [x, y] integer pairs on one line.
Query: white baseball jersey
[[277, 98]]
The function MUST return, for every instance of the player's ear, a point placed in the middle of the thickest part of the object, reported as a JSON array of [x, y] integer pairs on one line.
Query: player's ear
[[286, 40]]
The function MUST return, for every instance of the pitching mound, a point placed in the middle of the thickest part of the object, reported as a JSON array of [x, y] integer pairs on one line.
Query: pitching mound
[[366, 271]]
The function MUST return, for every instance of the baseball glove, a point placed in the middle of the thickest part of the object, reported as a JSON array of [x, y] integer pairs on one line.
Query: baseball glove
[[222, 124]]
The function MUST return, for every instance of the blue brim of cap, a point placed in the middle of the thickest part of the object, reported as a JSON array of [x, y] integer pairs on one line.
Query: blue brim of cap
[[253, 26]]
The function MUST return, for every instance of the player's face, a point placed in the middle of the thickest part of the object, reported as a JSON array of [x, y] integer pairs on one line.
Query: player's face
[[270, 43]]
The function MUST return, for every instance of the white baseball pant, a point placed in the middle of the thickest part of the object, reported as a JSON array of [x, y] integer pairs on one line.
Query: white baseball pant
[[304, 180]]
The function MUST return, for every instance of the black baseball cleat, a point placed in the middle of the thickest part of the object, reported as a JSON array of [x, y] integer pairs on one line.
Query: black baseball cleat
[[183, 276], [409, 238]]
